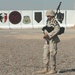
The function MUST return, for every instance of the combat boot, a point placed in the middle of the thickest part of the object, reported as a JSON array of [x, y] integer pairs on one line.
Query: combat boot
[[52, 72], [45, 70]]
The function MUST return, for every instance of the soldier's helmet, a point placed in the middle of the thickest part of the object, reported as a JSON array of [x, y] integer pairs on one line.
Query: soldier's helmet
[[50, 12]]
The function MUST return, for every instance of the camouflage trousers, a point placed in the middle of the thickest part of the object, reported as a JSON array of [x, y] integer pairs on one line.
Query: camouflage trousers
[[49, 55]]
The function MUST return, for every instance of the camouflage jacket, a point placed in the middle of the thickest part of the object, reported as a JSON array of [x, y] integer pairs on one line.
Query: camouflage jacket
[[53, 33]]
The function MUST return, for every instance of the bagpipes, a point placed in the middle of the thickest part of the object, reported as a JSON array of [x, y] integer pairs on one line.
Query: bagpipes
[[60, 17]]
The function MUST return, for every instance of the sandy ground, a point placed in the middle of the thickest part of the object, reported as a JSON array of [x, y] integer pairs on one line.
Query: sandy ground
[[21, 52]]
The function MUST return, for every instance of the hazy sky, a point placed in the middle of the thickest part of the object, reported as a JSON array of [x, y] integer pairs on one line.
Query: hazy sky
[[35, 4]]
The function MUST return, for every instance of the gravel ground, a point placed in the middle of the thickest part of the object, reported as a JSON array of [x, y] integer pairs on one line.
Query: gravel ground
[[21, 52]]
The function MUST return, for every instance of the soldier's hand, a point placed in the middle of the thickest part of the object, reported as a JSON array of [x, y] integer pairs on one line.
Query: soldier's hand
[[46, 36]]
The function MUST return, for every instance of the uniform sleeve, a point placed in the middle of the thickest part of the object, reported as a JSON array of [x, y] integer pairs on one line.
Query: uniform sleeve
[[55, 31]]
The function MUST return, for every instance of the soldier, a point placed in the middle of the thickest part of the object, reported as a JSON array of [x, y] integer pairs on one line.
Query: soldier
[[50, 47]]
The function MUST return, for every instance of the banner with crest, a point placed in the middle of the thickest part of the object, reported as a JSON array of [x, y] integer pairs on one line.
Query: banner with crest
[[27, 19], [15, 18], [4, 21], [38, 18]]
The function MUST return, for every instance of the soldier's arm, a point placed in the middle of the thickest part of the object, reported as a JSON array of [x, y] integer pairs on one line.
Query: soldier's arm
[[55, 31], [45, 33]]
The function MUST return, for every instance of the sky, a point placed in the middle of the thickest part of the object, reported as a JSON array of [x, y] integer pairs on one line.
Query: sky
[[36, 4]]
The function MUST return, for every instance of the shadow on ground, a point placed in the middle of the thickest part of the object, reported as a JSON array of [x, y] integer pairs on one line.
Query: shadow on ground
[[67, 70]]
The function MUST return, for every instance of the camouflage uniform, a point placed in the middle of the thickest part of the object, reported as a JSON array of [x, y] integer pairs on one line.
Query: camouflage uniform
[[50, 46]]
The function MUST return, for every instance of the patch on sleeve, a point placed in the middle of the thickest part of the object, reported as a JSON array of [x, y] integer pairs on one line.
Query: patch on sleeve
[[55, 23]]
